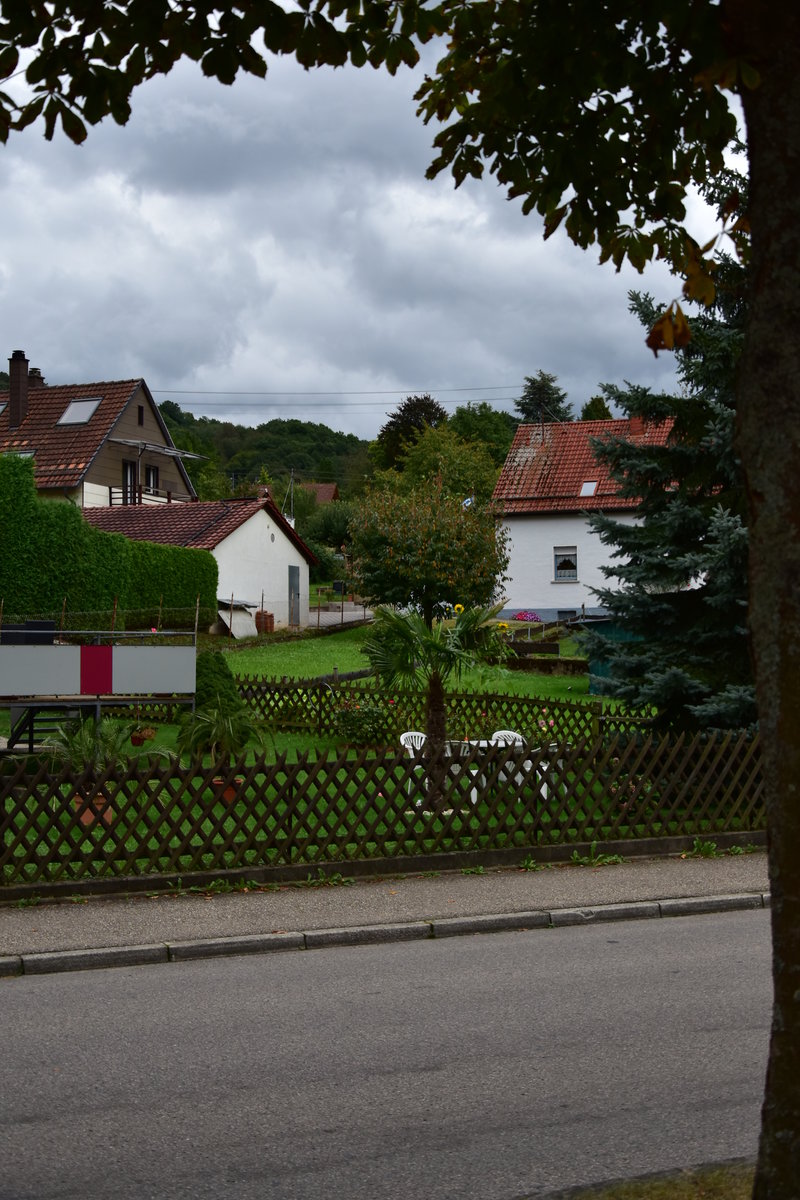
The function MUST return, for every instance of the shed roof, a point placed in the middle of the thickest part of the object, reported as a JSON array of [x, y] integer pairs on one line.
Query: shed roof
[[201, 525]]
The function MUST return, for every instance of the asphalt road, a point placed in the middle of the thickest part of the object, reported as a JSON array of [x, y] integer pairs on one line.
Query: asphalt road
[[493, 1066]]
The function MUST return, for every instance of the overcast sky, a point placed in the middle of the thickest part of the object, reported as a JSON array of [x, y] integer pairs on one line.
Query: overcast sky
[[279, 237]]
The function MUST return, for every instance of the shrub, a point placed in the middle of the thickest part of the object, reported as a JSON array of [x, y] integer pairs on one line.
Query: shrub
[[215, 684], [361, 722]]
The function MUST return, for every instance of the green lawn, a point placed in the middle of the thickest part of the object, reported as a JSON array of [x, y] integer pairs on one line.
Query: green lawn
[[308, 657], [302, 658]]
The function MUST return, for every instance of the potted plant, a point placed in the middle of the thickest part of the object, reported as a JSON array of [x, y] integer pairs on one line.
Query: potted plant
[[141, 734], [221, 731], [89, 749]]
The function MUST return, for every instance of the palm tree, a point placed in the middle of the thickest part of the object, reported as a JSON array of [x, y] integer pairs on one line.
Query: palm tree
[[405, 652]]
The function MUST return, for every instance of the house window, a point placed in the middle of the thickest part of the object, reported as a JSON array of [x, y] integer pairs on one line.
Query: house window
[[151, 479], [128, 481], [565, 560], [140, 415], [589, 487]]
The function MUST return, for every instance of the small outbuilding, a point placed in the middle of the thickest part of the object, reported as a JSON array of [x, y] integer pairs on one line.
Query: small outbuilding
[[260, 558]]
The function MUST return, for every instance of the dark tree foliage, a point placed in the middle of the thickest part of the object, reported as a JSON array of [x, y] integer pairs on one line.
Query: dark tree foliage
[[236, 455], [490, 427], [413, 415], [596, 409], [678, 582], [542, 400]]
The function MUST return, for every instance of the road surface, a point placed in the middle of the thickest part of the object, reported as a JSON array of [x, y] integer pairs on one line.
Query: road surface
[[499, 1066]]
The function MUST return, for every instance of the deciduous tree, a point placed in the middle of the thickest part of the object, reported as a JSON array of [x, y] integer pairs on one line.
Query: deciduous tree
[[404, 426], [426, 549], [439, 457], [490, 427]]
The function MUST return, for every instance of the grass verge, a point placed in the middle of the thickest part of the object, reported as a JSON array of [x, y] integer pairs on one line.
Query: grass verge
[[730, 1182]]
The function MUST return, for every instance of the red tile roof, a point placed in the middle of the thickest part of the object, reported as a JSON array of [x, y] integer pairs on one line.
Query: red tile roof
[[64, 453], [325, 492], [199, 525], [548, 466]]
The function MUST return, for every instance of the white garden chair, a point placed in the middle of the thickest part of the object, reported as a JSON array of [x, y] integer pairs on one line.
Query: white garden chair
[[412, 742], [509, 737]]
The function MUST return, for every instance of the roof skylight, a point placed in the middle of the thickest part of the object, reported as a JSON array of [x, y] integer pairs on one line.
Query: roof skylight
[[589, 488], [78, 412]]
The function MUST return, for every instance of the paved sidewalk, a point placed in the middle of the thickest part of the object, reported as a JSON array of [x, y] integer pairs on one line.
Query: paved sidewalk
[[85, 933]]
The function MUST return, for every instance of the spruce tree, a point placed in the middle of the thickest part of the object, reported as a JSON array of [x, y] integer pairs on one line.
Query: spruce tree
[[680, 572], [542, 400]]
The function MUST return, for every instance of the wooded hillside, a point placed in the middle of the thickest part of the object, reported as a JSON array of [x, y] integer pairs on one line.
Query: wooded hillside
[[237, 455]]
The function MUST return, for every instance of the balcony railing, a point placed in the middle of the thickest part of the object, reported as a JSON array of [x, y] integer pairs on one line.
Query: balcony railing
[[146, 495]]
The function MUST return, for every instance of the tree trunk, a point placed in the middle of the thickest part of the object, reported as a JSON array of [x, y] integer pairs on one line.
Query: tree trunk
[[768, 35], [436, 730]]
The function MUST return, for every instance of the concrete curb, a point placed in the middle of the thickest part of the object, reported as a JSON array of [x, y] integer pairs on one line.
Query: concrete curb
[[50, 962]]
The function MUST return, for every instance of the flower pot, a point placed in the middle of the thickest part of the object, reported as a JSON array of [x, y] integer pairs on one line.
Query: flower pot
[[229, 791], [93, 808], [137, 739]]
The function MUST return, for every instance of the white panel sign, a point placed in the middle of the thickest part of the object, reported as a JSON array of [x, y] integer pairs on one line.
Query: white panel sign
[[140, 670], [40, 670]]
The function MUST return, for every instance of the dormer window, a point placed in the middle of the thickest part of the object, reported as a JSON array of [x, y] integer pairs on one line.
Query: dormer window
[[589, 487], [78, 412]]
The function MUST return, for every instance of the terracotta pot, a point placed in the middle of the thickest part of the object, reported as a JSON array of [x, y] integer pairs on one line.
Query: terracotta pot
[[96, 808], [229, 792]]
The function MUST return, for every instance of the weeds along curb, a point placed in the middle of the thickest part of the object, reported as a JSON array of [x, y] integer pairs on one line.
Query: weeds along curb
[[376, 868], [56, 961]]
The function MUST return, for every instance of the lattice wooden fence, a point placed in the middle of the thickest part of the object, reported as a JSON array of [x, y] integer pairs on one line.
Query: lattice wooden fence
[[163, 818], [287, 704]]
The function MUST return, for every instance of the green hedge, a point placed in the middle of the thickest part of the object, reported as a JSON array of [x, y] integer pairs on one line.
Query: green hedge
[[49, 553]]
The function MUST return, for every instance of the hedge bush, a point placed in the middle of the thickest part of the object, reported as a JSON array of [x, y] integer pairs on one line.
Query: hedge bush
[[49, 553]]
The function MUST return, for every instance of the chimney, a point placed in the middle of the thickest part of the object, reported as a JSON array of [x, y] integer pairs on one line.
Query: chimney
[[636, 426], [17, 389], [35, 378]]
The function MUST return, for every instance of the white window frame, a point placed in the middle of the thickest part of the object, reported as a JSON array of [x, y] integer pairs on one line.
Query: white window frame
[[560, 575]]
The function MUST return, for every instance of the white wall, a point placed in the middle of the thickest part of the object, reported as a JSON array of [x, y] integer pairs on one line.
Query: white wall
[[256, 557], [531, 582]]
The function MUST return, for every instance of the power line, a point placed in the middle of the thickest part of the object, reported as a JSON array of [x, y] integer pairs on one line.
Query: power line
[[498, 387]]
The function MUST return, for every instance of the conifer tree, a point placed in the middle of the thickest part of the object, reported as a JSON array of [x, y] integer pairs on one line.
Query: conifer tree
[[678, 579], [542, 400]]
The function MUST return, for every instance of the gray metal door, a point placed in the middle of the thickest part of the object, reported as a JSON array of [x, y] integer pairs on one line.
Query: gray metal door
[[294, 595]]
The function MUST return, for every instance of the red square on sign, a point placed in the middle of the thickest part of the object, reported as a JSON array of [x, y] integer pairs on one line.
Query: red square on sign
[[95, 670]]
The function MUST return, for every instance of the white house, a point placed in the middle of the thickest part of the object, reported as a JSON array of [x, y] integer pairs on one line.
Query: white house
[[262, 562], [550, 484]]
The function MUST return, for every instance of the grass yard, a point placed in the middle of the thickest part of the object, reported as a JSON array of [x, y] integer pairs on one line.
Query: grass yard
[[301, 658], [309, 657]]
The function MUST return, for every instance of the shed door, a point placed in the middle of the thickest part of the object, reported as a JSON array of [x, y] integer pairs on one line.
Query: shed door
[[294, 595]]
